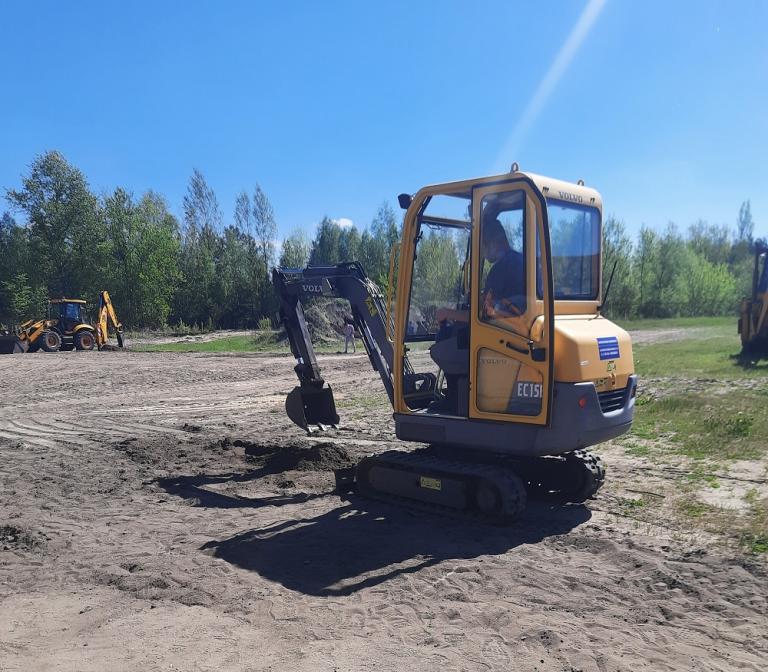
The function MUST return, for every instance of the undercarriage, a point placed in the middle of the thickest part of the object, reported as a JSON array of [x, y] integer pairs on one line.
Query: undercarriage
[[487, 488]]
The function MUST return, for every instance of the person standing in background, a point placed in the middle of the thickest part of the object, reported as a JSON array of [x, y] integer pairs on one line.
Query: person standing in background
[[349, 335]]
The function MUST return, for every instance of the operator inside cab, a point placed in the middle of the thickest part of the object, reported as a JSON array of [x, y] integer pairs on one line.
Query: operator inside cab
[[503, 296]]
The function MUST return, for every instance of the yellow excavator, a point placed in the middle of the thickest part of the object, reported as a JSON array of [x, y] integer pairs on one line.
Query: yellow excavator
[[490, 344], [66, 328], [753, 317]]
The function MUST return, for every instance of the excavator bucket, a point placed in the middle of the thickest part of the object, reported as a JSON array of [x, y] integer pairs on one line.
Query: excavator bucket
[[10, 345], [307, 406]]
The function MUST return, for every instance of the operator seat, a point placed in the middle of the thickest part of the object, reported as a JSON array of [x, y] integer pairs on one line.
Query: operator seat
[[450, 352]]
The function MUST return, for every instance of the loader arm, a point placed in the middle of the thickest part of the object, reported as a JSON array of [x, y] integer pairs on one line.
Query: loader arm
[[106, 316], [26, 337], [312, 403]]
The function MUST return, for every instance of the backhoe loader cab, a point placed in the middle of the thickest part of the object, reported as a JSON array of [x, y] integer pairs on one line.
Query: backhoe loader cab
[[68, 313], [490, 345]]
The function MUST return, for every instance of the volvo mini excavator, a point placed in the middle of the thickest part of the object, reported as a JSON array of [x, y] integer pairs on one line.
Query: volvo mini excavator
[[490, 345], [66, 328], [753, 316]]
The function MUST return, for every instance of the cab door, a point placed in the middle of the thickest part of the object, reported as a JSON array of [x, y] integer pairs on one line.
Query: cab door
[[512, 315]]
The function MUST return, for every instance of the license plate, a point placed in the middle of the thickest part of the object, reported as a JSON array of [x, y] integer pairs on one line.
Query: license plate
[[430, 483]]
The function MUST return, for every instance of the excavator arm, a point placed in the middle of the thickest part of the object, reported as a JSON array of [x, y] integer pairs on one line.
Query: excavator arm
[[106, 315], [312, 402]]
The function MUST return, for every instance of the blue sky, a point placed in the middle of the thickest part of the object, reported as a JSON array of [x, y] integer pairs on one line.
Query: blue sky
[[335, 107]]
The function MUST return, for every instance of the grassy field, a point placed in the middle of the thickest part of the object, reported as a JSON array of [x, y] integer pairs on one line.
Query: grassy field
[[726, 323], [255, 342], [227, 344], [702, 414]]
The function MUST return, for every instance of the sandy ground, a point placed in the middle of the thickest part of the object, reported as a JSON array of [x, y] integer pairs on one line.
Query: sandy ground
[[159, 512]]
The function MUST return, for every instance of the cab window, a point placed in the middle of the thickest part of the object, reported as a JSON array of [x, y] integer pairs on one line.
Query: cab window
[[502, 248], [574, 232]]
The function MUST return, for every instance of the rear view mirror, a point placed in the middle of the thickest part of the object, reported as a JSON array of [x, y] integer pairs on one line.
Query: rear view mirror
[[404, 200]]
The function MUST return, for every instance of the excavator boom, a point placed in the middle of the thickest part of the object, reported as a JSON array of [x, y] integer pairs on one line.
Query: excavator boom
[[312, 403], [106, 315]]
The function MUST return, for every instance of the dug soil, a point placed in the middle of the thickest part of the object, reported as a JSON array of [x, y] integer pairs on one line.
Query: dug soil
[[158, 511]]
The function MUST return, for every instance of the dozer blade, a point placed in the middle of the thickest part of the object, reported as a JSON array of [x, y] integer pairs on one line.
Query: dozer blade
[[307, 406], [10, 345]]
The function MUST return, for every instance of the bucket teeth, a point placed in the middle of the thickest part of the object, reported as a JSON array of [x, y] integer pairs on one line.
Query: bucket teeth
[[307, 406]]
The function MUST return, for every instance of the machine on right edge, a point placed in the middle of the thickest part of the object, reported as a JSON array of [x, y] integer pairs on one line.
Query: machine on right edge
[[753, 316]]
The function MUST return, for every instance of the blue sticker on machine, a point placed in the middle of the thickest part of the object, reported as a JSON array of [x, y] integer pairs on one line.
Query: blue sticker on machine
[[608, 347]]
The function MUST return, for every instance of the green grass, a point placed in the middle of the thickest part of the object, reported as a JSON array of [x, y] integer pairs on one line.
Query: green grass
[[678, 323], [693, 508], [708, 409], [628, 504], [228, 344], [714, 426], [259, 342], [755, 537], [713, 355]]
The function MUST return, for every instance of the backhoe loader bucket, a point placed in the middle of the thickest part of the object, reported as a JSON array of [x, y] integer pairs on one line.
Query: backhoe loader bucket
[[10, 345], [307, 406]]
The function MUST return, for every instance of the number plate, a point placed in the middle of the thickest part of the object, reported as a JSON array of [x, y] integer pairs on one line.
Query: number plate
[[431, 483]]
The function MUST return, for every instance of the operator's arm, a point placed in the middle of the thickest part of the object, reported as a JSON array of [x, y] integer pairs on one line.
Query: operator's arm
[[506, 307], [452, 315]]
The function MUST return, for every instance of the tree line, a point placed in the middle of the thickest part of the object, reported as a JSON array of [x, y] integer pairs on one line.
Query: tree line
[[704, 270], [216, 274], [159, 270]]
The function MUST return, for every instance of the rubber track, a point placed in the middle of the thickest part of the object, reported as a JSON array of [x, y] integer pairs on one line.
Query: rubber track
[[509, 485], [550, 485]]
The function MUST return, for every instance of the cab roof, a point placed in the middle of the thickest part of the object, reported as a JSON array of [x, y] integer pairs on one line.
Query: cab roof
[[82, 301], [550, 187]]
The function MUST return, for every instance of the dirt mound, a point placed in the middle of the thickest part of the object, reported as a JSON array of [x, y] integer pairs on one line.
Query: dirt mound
[[325, 318], [150, 584], [276, 458]]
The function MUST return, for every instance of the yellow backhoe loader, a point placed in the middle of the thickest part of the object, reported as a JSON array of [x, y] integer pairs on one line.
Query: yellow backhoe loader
[[66, 328], [496, 354], [753, 317]]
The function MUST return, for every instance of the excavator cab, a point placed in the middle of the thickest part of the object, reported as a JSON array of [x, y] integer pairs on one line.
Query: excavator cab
[[476, 257], [498, 303]]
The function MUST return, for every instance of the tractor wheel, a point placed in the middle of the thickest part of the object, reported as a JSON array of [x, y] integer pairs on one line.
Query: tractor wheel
[[85, 341], [50, 341]]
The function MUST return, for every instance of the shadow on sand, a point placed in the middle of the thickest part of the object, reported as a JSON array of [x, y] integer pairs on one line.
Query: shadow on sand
[[192, 488], [364, 543]]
